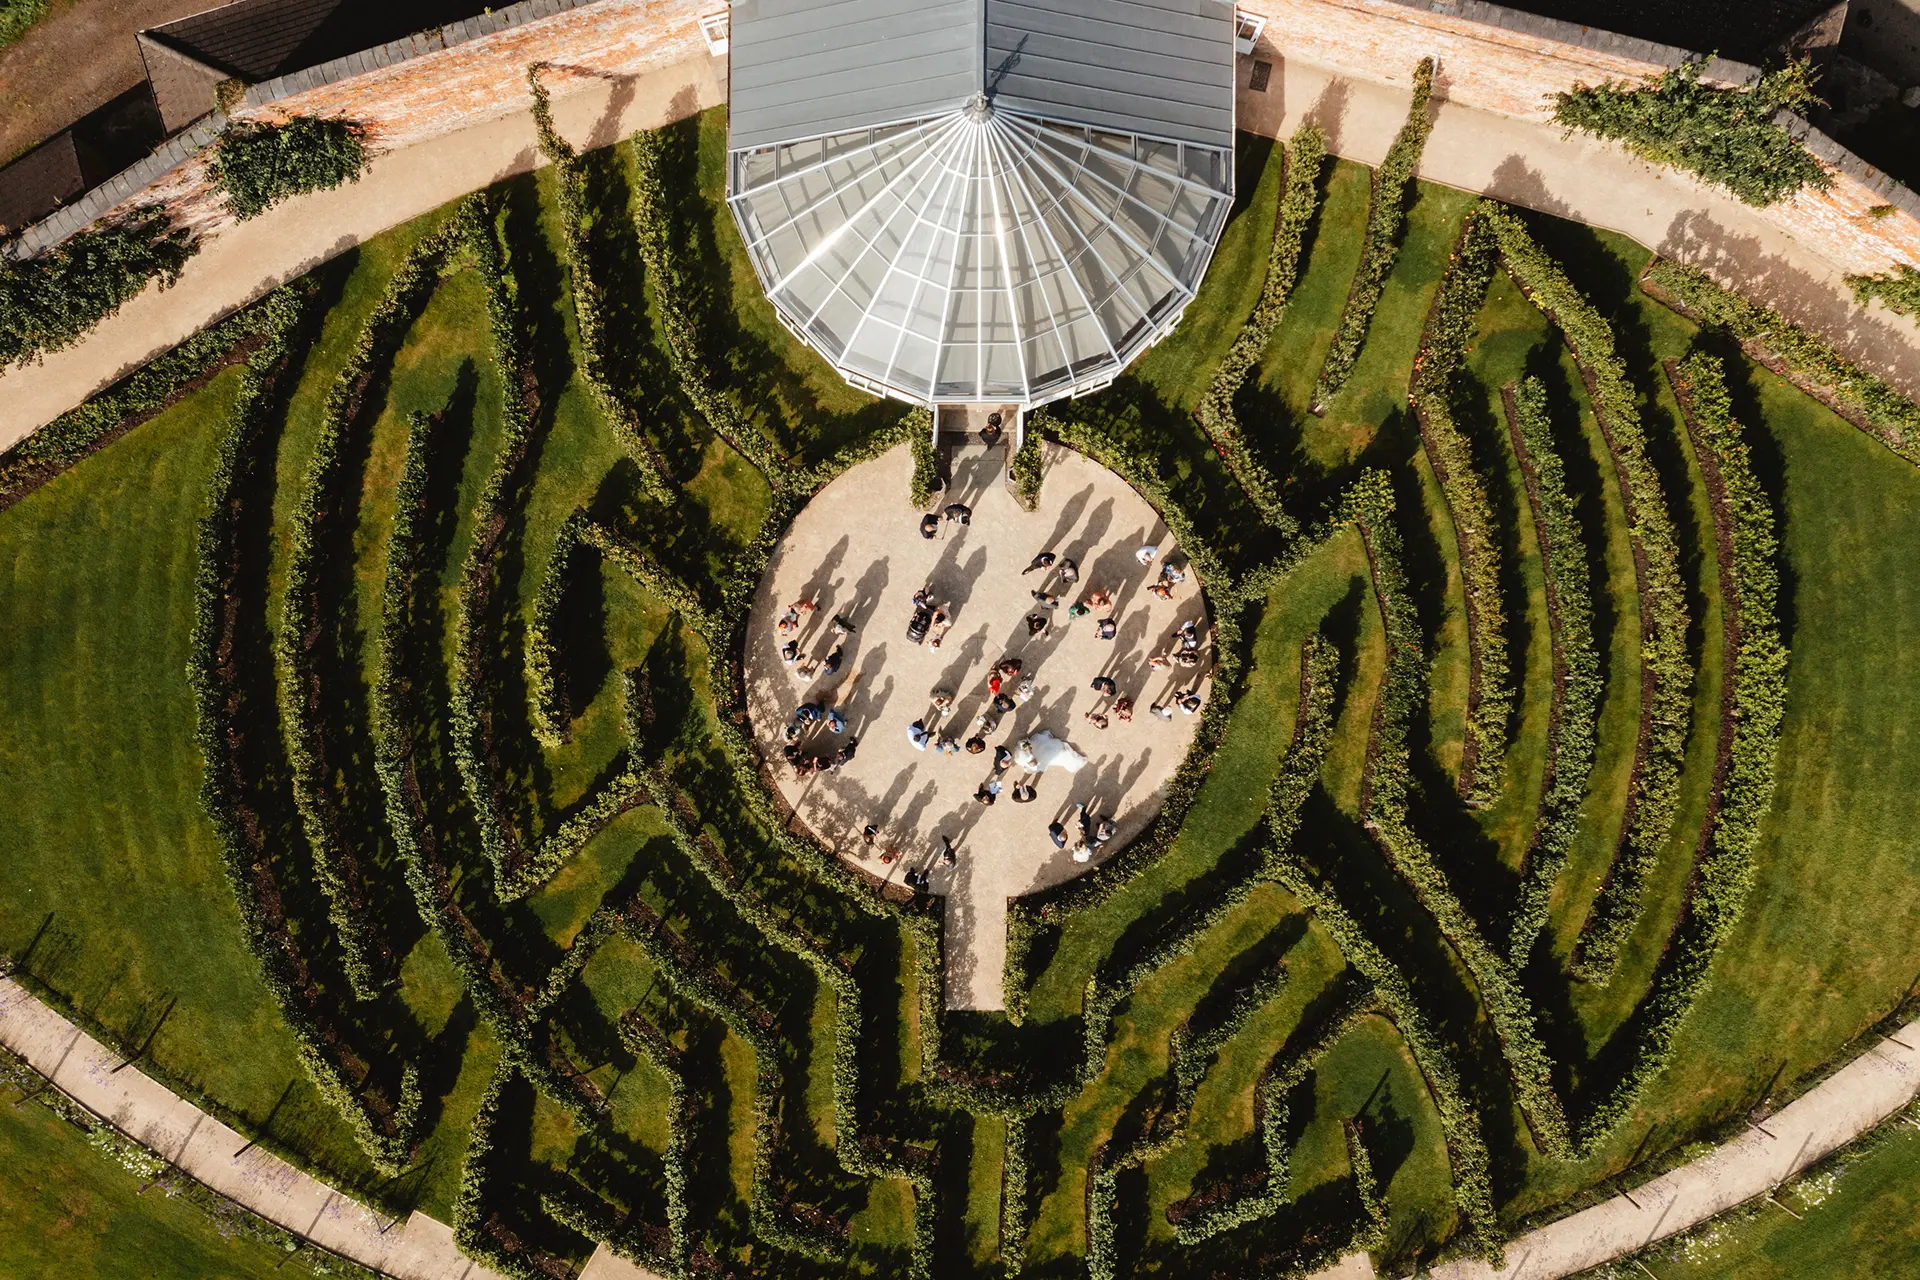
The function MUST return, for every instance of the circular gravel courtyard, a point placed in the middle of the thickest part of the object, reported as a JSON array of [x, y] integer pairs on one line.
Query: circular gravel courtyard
[[857, 553]]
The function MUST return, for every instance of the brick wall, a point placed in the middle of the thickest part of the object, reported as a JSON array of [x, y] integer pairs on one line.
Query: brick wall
[[1513, 68]]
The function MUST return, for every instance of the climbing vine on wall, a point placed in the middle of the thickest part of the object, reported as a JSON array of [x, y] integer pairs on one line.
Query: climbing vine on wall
[[258, 165]]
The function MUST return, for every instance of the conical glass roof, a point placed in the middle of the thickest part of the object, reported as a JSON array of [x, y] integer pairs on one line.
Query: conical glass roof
[[981, 255]]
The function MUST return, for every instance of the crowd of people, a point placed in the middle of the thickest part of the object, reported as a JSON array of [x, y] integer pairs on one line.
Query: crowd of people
[[816, 740]]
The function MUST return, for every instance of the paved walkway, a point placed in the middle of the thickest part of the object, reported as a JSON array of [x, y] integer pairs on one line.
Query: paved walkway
[[856, 550], [210, 1152], [246, 260], [1844, 1106]]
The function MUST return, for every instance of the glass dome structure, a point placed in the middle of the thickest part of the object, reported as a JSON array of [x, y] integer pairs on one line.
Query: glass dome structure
[[1021, 243]]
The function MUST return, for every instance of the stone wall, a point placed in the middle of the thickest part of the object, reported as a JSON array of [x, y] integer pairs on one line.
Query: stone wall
[[1510, 63]]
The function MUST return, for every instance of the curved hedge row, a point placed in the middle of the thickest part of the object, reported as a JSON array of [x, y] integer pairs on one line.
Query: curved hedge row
[[1443, 347], [680, 331], [1868, 402], [1666, 673], [1202, 1216], [1386, 220], [1753, 705], [1189, 1057], [1386, 791], [588, 309], [322, 527], [1370, 504], [1312, 730], [147, 391], [1572, 721], [1306, 156], [385, 1126]]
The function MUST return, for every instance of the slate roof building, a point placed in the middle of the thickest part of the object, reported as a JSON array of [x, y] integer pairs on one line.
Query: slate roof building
[[981, 201]]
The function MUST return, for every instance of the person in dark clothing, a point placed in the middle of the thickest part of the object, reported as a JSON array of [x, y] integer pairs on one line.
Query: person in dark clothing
[[959, 513], [929, 526], [1046, 599], [1106, 685], [842, 625], [1069, 572], [1106, 628], [1002, 759], [808, 712], [1042, 561], [1023, 794], [1036, 623], [1058, 834], [834, 660]]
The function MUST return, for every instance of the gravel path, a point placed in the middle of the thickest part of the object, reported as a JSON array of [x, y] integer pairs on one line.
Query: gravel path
[[100, 1081], [856, 550]]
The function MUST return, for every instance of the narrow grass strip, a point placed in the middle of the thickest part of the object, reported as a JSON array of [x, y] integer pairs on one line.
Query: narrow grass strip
[[1666, 673], [1753, 705], [1572, 719], [1386, 221], [1868, 402], [1305, 159], [1443, 348]]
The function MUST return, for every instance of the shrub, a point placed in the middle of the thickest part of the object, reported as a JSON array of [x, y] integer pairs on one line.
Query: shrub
[[1026, 466], [1866, 401], [1899, 289], [16, 16], [588, 305], [1387, 788], [1753, 706], [1306, 156], [1443, 347], [926, 475], [1574, 713], [258, 164], [1726, 136], [1666, 703], [343, 859], [146, 392], [50, 302], [1386, 220]]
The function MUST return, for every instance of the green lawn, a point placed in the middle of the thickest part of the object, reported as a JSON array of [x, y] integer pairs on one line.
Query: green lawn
[[70, 1211], [116, 904]]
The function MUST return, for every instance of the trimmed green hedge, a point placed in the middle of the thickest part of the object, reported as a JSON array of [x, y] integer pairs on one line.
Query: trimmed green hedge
[[1306, 156], [1726, 136], [50, 302], [1868, 402], [1312, 730], [153, 387], [1753, 705], [258, 164], [588, 307], [1572, 721], [1386, 221], [1666, 702], [680, 331], [1201, 1217], [1387, 789], [926, 476], [322, 526], [385, 1126], [1443, 348]]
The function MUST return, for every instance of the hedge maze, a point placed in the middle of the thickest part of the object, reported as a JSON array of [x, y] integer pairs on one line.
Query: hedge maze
[[1426, 916]]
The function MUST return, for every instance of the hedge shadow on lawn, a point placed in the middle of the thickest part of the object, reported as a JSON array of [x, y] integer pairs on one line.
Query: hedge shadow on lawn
[[1346, 857], [1460, 845]]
